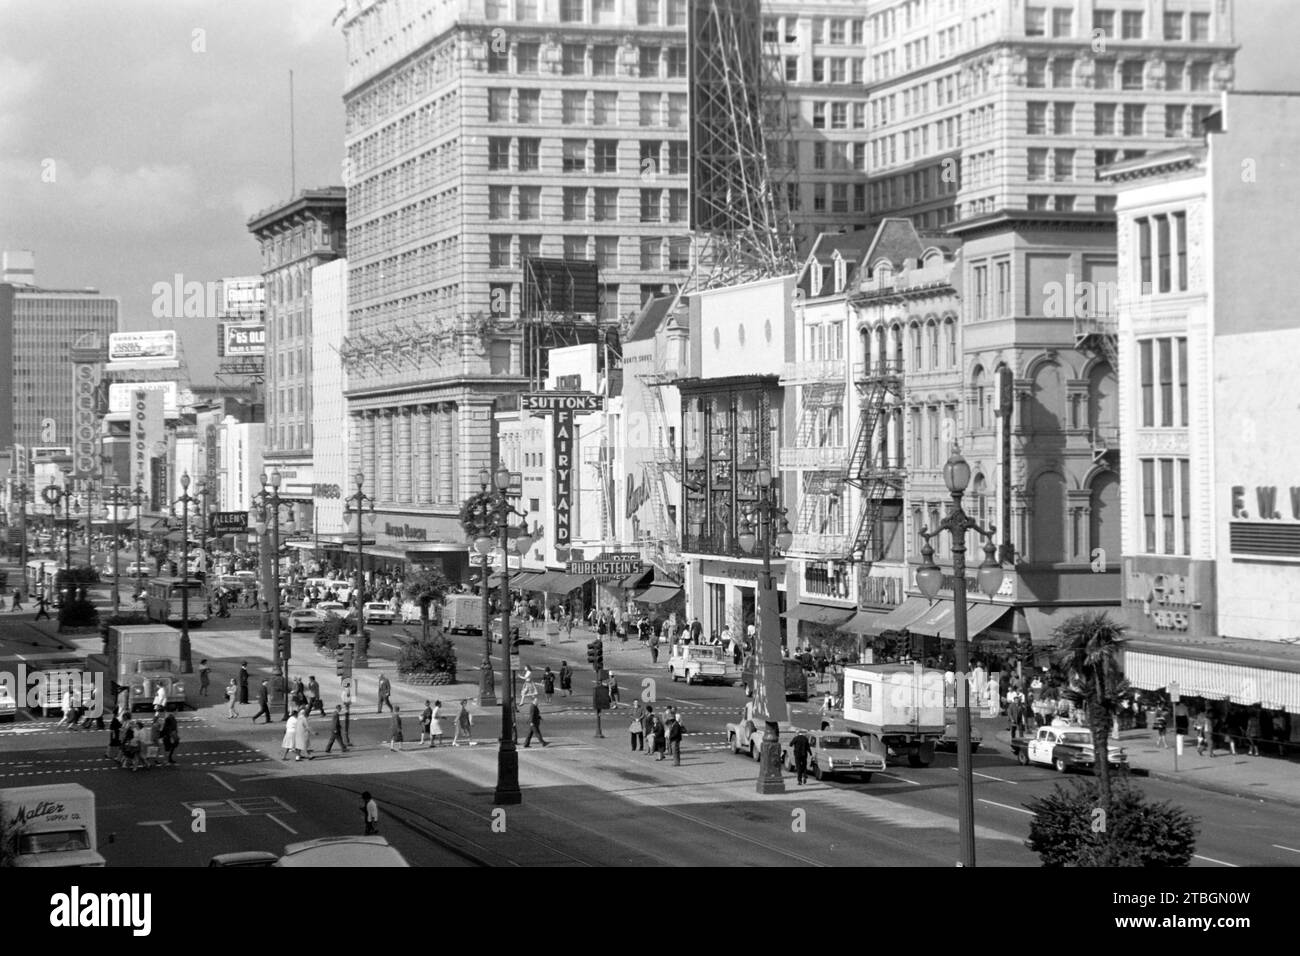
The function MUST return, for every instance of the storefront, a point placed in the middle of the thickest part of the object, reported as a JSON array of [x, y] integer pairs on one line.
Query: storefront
[[722, 594]]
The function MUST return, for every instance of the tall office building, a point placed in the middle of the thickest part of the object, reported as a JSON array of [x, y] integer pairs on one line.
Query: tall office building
[[37, 329], [479, 135]]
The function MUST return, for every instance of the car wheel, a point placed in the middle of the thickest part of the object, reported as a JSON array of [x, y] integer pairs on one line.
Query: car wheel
[[1060, 765], [731, 739], [1022, 757], [753, 752], [817, 771], [866, 777]]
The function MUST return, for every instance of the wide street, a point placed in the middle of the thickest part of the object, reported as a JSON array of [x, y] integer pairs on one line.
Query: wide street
[[586, 801]]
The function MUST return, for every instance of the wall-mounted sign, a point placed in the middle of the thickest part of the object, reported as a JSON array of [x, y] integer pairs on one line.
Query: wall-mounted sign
[[243, 294], [229, 522], [562, 402], [606, 570], [406, 532], [85, 429], [563, 406], [120, 395], [1169, 595], [245, 339], [146, 429], [156, 348]]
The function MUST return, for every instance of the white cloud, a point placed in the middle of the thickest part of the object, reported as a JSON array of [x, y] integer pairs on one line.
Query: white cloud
[[19, 82], [104, 199]]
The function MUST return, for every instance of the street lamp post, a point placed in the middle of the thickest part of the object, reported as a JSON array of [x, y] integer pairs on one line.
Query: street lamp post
[[269, 508], [138, 498], [53, 495], [759, 522], [498, 511], [354, 506], [21, 490], [929, 578], [118, 498], [187, 662], [486, 685]]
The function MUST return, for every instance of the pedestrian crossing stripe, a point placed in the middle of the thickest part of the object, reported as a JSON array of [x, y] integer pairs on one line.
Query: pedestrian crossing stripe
[[97, 758], [209, 763]]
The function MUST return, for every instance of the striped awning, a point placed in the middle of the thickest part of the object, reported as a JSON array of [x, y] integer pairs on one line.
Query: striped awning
[[873, 623], [1214, 680]]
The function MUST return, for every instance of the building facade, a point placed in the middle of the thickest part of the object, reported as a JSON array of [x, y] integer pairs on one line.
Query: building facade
[[331, 481]]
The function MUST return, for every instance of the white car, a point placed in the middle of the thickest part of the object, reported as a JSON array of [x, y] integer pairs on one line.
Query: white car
[[377, 612], [330, 607], [134, 569], [304, 620], [8, 706], [836, 752]]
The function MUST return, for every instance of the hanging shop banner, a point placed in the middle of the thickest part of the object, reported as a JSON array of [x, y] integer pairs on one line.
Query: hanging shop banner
[[562, 449], [85, 427], [146, 429]]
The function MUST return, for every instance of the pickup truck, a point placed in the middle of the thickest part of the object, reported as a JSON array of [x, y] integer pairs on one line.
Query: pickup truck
[[697, 663], [1064, 747], [745, 736]]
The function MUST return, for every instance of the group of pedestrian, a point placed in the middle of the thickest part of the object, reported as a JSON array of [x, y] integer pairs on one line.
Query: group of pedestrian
[[297, 736], [654, 735], [136, 744]]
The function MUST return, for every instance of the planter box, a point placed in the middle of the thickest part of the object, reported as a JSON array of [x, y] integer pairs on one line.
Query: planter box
[[426, 680]]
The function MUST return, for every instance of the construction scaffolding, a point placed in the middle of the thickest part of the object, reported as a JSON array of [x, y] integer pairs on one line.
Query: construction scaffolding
[[880, 387]]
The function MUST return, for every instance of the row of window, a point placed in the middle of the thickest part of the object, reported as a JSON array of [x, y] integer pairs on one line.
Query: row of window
[[1110, 74], [838, 31], [1177, 25], [841, 155], [657, 253], [1114, 119], [920, 185], [939, 136], [1162, 379], [582, 107], [653, 13], [290, 362], [416, 220], [838, 195], [505, 298], [1162, 252]]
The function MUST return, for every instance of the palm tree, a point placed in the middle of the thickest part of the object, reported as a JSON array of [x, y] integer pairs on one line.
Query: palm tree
[[425, 586], [1088, 650]]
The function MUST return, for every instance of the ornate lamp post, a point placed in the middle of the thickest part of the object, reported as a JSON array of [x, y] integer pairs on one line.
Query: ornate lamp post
[[20, 490], [52, 495], [929, 578], [116, 497], [187, 662], [355, 505], [268, 511], [497, 511], [486, 687], [137, 500], [757, 523]]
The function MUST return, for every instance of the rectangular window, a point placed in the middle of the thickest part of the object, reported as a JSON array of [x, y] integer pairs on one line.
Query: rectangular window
[[1103, 123], [575, 247], [530, 247], [859, 197], [1180, 241], [498, 202], [1062, 22], [1175, 118], [604, 108], [1003, 291], [526, 57], [1200, 28], [677, 205], [1035, 118], [819, 154], [1174, 75], [839, 72], [679, 254], [1035, 21], [1182, 381], [571, 11], [575, 203], [602, 11], [1134, 119], [650, 202], [499, 252], [1063, 72], [573, 60], [648, 62], [529, 105], [932, 423], [605, 156], [529, 150], [839, 116], [574, 155], [573, 107], [607, 251], [1149, 505], [1063, 119], [498, 105], [676, 13], [606, 208], [530, 202], [1037, 165], [649, 113], [647, 13], [792, 69], [819, 116], [1104, 20], [1103, 75], [677, 105], [981, 292], [819, 197], [1063, 165], [1147, 382], [498, 60], [1131, 25], [1173, 26], [651, 254], [676, 62], [678, 157], [1163, 272], [603, 60], [1166, 353], [498, 153], [1036, 72], [1167, 507], [1185, 507], [839, 197], [1198, 77], [1144, 256]]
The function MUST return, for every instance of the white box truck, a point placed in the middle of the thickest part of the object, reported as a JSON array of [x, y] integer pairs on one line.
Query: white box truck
[[462, 613], [52, 825], [897, 707]]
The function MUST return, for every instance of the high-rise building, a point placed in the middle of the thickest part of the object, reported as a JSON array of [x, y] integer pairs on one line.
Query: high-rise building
[[480, 135], [331, 483], [295, 237], [38, 327]]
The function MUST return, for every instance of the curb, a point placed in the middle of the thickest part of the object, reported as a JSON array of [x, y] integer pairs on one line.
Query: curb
[[1223, 790]]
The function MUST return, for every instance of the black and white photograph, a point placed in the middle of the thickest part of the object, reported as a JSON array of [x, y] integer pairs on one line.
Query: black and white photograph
[[740, 434]]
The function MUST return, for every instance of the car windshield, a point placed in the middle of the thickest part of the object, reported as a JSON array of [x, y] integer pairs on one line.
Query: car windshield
[[1077, 738], [840, 743], [703, 653]]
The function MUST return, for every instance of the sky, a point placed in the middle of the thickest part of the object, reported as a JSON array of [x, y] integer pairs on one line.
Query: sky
[[138, 136]]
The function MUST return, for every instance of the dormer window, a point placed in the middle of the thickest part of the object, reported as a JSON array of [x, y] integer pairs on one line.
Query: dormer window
[[815, 279], [841, 271]]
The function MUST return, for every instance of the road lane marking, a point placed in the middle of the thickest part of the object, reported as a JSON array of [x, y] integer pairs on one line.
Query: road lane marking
[[222, 782], [894, 776], [1007, 807], [1209, 859], [163, 825], [1287, 848], [271, 816]]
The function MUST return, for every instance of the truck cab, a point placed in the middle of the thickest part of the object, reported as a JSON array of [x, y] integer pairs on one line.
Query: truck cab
[[51, 825]]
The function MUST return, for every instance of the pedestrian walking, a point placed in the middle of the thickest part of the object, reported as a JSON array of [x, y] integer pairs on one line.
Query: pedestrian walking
[[464, 725], [290, 739], [114, 751], [314, 701], [426, 718], [435, 724], [232, 697], [566, 678], [299, 695], [369, 813], [613, 691], [264, 703], [548, 683], [205, 677], [385, 690], [42, 607], [800, 746], [636, 729], [675, 731], [243, 682], [336, 729], [648, 729], [654, 648], [171, 737], [302, 735], [1159, 725], [160, 698], [18, 600], [534, 725], [659, 735], [1205, 734], [395, 730]]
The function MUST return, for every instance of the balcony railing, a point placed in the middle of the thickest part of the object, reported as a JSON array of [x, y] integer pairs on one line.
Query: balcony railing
[[802, 373], [821, 545], [821, 457], [723, 544]]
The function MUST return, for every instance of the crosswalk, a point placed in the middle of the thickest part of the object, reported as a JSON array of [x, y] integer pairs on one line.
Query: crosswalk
[[38, 728], [97, 762]]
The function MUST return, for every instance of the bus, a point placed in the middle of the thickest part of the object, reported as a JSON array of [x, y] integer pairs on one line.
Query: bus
[[164, 599]]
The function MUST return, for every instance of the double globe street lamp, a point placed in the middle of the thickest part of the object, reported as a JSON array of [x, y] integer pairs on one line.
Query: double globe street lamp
[[495, 530], [930, 579], [187, 662], [355, 505], [266, 513], [758, 524]]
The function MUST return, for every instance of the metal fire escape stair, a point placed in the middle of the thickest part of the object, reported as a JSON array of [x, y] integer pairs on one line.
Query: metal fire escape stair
[[880, 385], [663, 549]]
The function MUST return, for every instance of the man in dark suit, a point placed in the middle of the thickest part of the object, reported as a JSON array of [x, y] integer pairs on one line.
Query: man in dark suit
[[534, 725], [263, 703], [800, 746], [243, 682], [336, 729]]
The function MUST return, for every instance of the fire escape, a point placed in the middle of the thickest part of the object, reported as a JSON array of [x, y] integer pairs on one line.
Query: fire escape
[[1098, 335], [662, 549], [880, 387], [821, 458]]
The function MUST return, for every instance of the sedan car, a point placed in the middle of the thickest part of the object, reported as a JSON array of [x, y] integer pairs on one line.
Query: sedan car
[[142, 570], [1065, 747], [377, 612], [303, 620], [8, 706], [517, 637], [836, 752]]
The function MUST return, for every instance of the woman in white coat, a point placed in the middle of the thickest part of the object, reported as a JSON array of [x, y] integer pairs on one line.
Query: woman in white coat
[[302, 735], [290, 740]]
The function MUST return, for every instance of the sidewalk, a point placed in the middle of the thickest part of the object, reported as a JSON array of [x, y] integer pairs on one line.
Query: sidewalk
[[1256, 778]]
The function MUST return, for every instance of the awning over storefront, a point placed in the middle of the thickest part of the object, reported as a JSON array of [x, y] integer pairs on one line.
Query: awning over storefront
[[937, 621], [820, 614], [638, 580], [657, 594], [375, 551], [302, 545], [1243, 672], [562, 583], [523, 580], [873, 623], [1041, 621]]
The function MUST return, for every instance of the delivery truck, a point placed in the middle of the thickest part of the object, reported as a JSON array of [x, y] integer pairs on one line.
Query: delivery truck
[[463, 613], [140, 659], [898, 708], [51, 825]]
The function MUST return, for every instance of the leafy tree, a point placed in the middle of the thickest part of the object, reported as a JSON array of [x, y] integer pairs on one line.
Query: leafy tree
[[1089, 646], [428, 655], [76, 611], [1071, 828], [327, 634], [426, 586], [7, 839]]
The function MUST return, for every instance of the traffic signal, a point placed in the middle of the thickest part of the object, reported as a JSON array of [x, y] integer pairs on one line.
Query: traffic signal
[[591, 652], [283, 645], [600, 656], [343, 666]]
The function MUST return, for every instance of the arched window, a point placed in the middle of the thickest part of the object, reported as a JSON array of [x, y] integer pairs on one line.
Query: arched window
[[882, 353], [950, 341], [932, 329], [897, 332], [1047, 405], [916, 347], [1102, 400], [978, 386], [1103, 516]]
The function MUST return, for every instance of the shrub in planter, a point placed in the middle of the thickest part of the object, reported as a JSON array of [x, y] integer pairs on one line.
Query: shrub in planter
[[327, 635], [78, 612], [433, 655], [1070, 828]]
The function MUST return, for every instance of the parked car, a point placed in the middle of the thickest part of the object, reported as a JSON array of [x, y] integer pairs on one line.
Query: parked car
[[698, 663], [134, 569], [8, 706], [745, 736], [836, 752], [304, 620], [326, 608], [1065, 747], [377, 612]]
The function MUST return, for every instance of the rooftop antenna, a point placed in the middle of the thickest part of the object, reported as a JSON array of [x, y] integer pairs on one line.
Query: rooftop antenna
[[293, 166]]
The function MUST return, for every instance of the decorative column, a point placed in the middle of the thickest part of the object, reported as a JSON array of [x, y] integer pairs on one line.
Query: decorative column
[[355, 454], [424, 453], [385, 470], [405, 480], [447, 424], [370, 454]]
